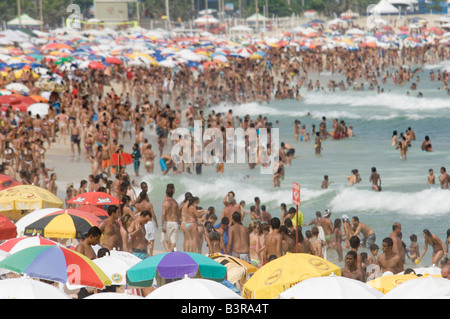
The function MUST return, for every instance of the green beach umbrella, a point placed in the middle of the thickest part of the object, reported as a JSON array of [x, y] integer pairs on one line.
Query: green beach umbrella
[[175, 265]]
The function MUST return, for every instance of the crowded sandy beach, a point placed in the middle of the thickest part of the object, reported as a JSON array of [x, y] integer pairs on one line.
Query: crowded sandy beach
[[97, 114]]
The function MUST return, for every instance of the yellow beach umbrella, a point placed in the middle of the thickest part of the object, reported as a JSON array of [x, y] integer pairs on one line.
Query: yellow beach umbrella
[[16, 201], [284, 272], [387, 283]]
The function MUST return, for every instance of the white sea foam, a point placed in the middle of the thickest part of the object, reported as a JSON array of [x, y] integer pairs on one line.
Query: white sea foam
[[432, 201]]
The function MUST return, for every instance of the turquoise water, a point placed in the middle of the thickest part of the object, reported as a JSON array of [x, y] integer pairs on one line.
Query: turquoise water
[[405, 197]]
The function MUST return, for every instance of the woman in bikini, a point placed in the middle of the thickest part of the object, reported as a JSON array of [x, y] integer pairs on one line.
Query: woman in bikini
[[194, 228], [336, 241], [184, 221], [436, 243]]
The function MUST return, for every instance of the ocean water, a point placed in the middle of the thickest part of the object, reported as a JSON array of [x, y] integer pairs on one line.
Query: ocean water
[[405, 198]]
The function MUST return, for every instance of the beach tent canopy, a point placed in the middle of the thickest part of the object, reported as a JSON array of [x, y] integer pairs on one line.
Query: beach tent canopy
[[257, 17], [25, 20], [383, 7]]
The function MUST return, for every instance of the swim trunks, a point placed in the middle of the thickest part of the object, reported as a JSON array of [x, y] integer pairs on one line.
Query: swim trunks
[[242, 256], [368, 241], [75, 139], [171, 233], [140, 253]]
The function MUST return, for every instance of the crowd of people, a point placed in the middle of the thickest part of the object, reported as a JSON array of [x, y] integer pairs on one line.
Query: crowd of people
[[104, 112], [265, 238]]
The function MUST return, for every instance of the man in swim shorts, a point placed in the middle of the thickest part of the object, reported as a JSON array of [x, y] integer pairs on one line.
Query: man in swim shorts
[[171, 219], [369, 235]]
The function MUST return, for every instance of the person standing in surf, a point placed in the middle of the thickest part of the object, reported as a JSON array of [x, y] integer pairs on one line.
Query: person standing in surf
[[375, 179]]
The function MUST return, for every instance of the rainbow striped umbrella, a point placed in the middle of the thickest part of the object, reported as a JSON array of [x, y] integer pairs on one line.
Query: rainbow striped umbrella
[[57, 264]]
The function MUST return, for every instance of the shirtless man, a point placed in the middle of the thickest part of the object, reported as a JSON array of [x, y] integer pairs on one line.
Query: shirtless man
[[163, 132], [110, 228], [388, 260], [444, 178], [106, 157], [239, 239], [92, 238], [327, 226], [273, 240], [316, 243], [435, 243], [126, 118], [171, 219], [397, 242], [142, 203], [136, 230], [376, 180], [230, 207], [75, 132], [290, 152], [369, 235], [351, 270]]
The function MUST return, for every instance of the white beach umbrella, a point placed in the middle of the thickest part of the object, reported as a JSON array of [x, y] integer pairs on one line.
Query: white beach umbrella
[[331, 287], [27, 288], [113, 295], [432, 270], [115, 268], [428, 287], [193, 288], [38, 108], [17, 87], [125, 256]]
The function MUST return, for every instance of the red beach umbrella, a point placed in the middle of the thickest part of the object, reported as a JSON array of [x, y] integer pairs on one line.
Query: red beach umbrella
[[7, 228], [94, 198]]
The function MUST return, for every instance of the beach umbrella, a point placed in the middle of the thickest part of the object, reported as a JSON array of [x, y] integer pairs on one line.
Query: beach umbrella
[[57, 264], [115, 268], [32, 217], [126, 257], [113, 295], [68, 223], [7, 182], [174, 265], [331, 287], [193, 288], [16, 244], [7, 228], [97, 211], [17, 199], [18, 87], [425, 287], [284, 272], [38, 108], [113, 60], [120, 159], [96, 65], [39, 99], [237, 269], [94, 198], [28, 288], [432, 270], [389, 282]]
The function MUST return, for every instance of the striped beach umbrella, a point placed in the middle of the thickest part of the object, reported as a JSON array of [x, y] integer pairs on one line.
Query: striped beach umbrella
[[57, 264], [68, 223]]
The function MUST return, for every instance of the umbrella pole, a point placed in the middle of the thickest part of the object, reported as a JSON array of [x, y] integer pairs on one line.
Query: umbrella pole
[[296, 234]]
